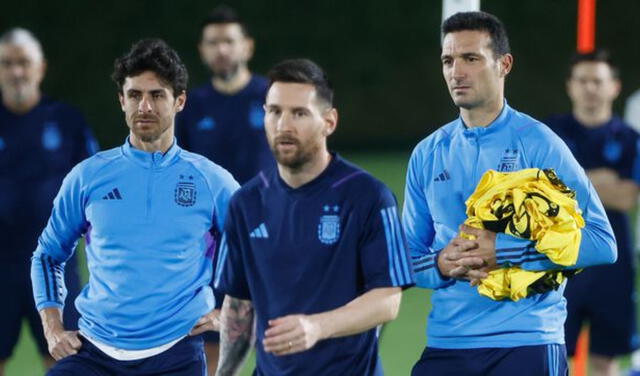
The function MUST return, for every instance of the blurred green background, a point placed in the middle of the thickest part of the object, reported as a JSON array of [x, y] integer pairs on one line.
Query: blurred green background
[[382, 56]]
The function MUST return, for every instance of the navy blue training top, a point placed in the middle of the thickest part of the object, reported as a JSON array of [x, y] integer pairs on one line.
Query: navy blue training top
[[309, 250], [613, 145], [227, 129], [37, 150]]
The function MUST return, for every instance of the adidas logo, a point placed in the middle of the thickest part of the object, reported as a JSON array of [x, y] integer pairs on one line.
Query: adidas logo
[[113, 195], [260, 232], [444, 175]]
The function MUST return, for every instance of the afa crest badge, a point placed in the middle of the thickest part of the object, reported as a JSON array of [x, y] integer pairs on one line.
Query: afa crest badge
[[509, 160], [329, 226], [185, 193], [51, 137], [256, 115], [612, 151]]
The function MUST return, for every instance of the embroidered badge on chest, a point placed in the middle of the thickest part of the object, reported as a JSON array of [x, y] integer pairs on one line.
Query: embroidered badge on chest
[[612, 151], [185, 193], [329, 226], [256, 115], [509, 160], [51, 138]]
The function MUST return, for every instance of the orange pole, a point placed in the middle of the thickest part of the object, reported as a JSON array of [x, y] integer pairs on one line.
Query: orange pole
[[581, 357], [586, 40]]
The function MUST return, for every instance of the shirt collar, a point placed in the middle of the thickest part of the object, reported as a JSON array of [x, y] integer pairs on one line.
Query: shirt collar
[[156, 159], [496, 125]]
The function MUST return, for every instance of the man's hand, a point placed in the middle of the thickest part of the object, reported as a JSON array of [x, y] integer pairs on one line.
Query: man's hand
[[454, 261], [208, 322], [602, 176], [62, 343], [486, 251], [291, 334]]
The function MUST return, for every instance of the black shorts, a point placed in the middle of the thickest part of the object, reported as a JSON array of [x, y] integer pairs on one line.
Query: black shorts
[[520, 361], [603, 296], [17, 292]]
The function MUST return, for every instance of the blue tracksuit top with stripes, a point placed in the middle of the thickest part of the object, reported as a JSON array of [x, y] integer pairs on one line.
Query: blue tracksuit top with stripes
[[150, 222], [313, 249], [443, 172]]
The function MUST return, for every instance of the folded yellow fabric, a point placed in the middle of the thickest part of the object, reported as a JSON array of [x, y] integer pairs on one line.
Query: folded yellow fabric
[[532, 204]]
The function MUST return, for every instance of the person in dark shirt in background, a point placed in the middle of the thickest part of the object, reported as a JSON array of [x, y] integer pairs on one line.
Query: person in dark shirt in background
[[40, 141], [607, 148], [223, 118]]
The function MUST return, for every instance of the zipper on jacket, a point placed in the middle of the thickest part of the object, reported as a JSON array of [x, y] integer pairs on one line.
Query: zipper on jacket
[[155, 159], [476, 139]]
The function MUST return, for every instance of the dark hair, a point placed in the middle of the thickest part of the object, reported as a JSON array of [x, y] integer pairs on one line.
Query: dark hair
[[303, 71], [156, 56], [224, 14], [480, 21], [597, 56]]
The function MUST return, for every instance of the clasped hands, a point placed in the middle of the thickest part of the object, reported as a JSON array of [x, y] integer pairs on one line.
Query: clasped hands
[[469, 259]]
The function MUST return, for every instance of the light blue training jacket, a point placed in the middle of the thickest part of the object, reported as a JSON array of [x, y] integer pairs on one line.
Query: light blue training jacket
[[444, 170], [150, 222]]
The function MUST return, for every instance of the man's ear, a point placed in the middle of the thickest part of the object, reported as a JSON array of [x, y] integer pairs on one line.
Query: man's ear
[[330, 117], [181, 100], [506, 64], [121, 100]]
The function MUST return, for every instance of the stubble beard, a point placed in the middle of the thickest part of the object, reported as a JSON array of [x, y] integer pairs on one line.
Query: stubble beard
[[150, 136], [228, 74], [298, 159]]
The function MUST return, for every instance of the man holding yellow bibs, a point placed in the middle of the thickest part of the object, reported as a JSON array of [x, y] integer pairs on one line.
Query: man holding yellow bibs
[[468, 333], [530, 204]]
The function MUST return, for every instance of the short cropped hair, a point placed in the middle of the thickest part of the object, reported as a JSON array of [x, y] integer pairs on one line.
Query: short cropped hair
[[303, 71], [480, 21], [22, 37], [156, 56], [596, 56], [224, 14]]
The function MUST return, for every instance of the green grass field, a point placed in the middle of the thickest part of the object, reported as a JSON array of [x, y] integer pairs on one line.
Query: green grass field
[[402, 340]]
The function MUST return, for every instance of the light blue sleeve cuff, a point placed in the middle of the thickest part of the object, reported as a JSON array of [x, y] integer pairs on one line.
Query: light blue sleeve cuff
[[427, 274]]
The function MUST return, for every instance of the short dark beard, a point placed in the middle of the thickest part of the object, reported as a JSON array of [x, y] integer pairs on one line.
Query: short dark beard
[[152, 137], [299, 160], [227, 75]]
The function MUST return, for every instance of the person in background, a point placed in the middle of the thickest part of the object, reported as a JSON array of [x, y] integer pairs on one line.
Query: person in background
[[223, 118], [608, 150], [41, 139]]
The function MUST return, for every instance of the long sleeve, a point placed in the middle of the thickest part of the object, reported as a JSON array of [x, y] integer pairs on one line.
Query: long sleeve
[[419, 228], [57, 243], [598, 244]]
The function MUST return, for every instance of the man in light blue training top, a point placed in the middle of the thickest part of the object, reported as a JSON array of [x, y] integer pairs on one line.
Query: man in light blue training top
[[150, 213], [469, 334]]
